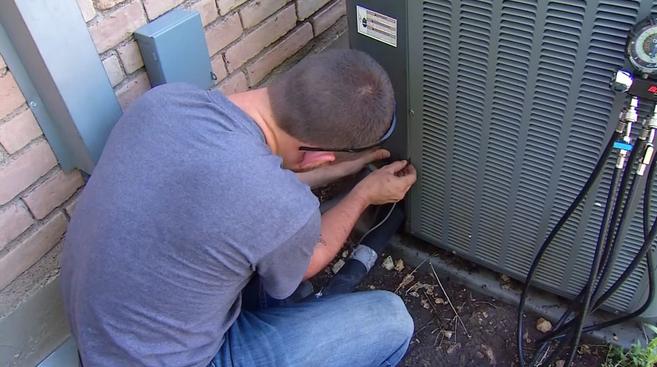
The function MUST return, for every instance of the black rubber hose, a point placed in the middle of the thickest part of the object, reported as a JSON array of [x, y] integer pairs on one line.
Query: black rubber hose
[[532, 270], [650, 263], [590, 290], [604, 226], [609, 243], [647, 243], [354, 271], [612, 244], [630, 268]]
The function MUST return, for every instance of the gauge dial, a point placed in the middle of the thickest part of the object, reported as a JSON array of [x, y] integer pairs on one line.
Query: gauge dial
[[642, 47]]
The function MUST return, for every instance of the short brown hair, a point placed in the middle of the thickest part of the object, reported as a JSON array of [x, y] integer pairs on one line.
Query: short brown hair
[[337, 99]]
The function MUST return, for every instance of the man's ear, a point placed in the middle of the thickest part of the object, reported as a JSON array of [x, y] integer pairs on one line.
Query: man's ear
[[315, 159]]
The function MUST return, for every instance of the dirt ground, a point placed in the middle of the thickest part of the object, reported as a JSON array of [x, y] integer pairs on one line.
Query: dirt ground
[[484, 335]]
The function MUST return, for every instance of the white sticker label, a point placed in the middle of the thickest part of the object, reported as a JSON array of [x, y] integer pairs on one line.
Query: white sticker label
[[376, 25]]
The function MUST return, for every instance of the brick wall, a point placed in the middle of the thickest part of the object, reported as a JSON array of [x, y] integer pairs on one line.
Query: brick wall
[[246, 39], [36, 196]]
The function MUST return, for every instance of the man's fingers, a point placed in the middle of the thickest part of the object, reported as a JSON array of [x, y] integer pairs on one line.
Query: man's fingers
[[394, 167], [410, 175], [375, 155]]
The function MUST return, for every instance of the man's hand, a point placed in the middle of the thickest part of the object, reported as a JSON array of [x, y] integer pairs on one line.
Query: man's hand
[[324, 175], [357, 162], [385, 185], [388, 184]]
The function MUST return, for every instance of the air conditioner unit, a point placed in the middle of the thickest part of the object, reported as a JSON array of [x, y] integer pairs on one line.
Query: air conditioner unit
[[506, 107]]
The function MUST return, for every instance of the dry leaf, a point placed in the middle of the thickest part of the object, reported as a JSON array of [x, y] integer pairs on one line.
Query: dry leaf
[[388, 264], [488, 352], [399, 265]]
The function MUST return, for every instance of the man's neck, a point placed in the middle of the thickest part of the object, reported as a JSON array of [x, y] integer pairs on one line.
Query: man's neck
[[255, 103]]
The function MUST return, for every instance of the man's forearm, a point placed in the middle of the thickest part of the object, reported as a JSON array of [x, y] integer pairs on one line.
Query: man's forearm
[[337, 223], [317, 177]]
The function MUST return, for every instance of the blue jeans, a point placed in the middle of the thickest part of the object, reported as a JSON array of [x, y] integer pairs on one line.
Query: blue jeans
[[359, 329]]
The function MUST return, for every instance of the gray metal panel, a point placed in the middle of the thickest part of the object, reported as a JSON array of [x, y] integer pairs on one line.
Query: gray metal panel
[[66, 355], [512, 107], [174, 50], [64, 68], [32, 331], [392, 59]]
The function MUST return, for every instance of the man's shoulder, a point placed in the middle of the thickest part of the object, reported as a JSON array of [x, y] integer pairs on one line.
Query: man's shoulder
[[173, 89]]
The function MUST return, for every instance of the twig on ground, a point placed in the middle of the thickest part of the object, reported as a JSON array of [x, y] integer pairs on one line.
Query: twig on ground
[[409, 274], [449, 301], [409, 288], [430, 301], [485, 302], [544, 356], [442, 336], [423, 327]]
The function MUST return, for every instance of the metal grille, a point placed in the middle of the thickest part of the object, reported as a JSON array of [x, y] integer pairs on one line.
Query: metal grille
[[516, 109]]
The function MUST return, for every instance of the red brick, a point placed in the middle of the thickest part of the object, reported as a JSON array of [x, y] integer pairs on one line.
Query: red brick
[[31, 249], [131, 57], [306, 8], [106, 4], [219, 68], [14, 220], [257, 11], [52, 192], [10, 96], [207, 9], [134, 88], [271, 30], [22, 170], [155, 8], [19, 131], [328, 16], [227, 5], [87, 9], [113, 70], [234, 84], [279, 53], [222, 33], [117, 26]]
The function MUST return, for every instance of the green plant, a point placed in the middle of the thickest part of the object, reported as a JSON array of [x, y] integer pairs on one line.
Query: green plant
[[638, 355]]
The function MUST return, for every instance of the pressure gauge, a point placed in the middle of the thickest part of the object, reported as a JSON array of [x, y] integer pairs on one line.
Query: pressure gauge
[[642, 47]]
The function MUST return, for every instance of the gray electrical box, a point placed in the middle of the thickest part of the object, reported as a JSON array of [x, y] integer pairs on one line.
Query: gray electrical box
[[174, 50]]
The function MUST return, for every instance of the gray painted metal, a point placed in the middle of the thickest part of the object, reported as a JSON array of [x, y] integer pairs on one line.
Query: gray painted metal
[[65, 355], [55, 62], [34, 329], [515, 108], [393, 60], [511, 109], [174, 50]]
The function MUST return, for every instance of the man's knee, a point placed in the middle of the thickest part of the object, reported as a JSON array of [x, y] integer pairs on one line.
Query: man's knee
[[393, 314]]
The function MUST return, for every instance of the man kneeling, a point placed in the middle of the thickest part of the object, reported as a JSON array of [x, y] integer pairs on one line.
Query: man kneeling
[[197, 193]]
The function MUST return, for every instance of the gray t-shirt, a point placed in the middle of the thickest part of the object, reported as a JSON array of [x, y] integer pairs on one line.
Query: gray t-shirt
[[186, 204]]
